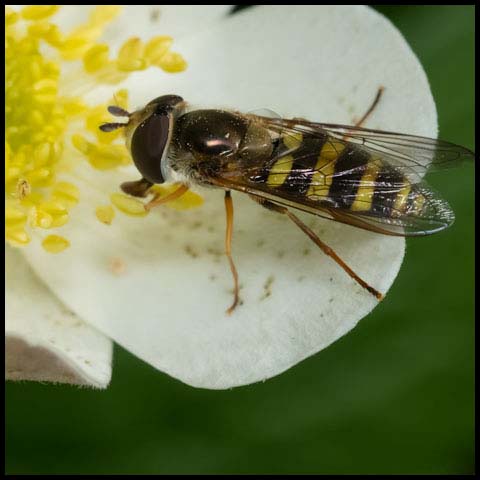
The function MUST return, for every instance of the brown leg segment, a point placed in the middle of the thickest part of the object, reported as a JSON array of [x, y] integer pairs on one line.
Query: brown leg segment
[[372, 107], [324, 247], [138, 188], [328, 251], [167, 198], [228, 248]]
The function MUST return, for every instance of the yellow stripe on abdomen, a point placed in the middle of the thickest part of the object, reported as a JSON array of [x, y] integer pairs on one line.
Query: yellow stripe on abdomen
[[325, 167], [292, 140], [280, 171], [400, 204], [366, 189]]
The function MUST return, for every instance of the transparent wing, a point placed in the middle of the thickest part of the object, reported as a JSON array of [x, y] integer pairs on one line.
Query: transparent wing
[[428, 213], [366, 178], [412, 155]]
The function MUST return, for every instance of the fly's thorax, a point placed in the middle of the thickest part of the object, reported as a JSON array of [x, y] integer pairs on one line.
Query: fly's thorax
[[206, 141], [209, 133], [258, 143]]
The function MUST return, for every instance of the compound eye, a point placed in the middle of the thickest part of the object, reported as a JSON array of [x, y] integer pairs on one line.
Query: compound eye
[[149, 143], [166, 102]]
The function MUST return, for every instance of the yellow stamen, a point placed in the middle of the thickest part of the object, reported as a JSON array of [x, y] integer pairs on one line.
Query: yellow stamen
[[23, 189], [172, 62], [11, 16], [17, 237], [130, 57], [45, 115], [48, 32], [57, 212], [14, 217], [186, 201], [96, 58], [66, 193], [128, 205], [104, 14], [156, 48], [38, 12], [105, 214], [55, 244]]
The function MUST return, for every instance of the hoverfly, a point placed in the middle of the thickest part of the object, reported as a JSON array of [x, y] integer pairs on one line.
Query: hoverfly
[[366, 178]]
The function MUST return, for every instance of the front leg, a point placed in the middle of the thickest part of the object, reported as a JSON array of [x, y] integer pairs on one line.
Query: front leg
[[157, 200], [138, 188]]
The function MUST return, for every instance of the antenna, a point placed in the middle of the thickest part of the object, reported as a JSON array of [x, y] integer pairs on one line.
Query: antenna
[[118, 111], [110, 127]]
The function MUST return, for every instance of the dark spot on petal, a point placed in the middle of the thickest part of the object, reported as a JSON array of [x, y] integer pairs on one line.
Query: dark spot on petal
[[154, 15], [267, 288], [190, 251]]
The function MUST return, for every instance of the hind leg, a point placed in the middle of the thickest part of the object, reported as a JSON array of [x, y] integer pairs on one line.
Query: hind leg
[[315, 239], [362, 120]]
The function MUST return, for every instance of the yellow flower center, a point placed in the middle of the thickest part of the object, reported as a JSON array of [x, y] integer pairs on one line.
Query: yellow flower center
[[45, 115]]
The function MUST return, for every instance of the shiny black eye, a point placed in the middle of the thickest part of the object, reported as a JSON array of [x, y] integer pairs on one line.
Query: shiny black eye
[[149, 142]]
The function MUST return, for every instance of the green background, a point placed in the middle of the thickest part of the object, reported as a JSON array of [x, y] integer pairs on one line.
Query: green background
[[396, 395]]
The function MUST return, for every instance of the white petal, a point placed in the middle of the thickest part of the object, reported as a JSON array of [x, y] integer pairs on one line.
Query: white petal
[[168, 305], [177, 21], [44, 340], [147, 20], [324, 63]]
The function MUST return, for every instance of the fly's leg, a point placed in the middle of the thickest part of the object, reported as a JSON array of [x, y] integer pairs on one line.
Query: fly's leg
[[369, 111], [138, 188], [324, 247], [228, 249], [372, 107], [167, 198], [331, 253]]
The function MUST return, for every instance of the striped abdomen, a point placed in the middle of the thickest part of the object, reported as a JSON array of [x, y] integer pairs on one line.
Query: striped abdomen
[[322, 170]]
